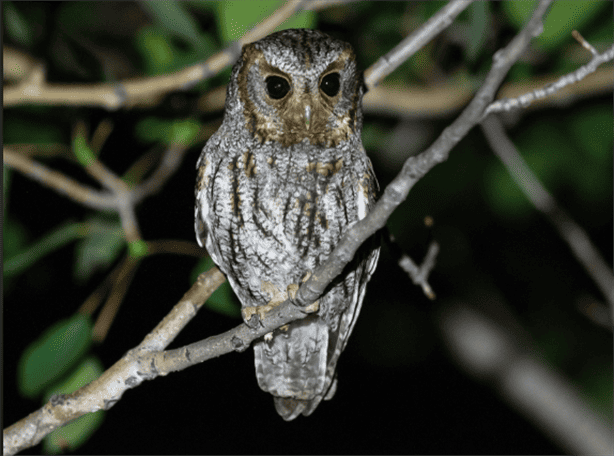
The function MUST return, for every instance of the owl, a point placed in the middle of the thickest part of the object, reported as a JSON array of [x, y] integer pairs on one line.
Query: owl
[[278, 185]]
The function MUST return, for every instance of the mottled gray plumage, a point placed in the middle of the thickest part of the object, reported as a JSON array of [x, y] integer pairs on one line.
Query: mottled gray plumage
[[278, 185]]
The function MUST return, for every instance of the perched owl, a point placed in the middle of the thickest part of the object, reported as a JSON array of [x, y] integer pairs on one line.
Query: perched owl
[[278, 185]]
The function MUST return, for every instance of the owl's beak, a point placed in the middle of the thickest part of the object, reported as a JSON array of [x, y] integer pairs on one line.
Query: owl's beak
[[307, 116]]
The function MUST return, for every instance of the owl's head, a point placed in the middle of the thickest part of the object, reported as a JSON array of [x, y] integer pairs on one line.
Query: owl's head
[[298, 84]]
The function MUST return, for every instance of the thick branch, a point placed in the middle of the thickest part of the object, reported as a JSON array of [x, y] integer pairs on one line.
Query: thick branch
[[416, 167], [130, 371]]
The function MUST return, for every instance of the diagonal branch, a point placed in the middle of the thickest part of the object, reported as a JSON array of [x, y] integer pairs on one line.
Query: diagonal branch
[[59, 182], [580, 244], [416, 167], [414, 42], [131, 370]]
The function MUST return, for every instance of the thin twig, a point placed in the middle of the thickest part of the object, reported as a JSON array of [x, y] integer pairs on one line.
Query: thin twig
[[414, 42], [525, 100], [576, 238], [168, 165], [119, 288], [142, 91], [57, 181]]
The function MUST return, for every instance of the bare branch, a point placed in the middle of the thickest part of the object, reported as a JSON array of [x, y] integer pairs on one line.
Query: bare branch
[[130, 371], [416, 167], [443, 100], [537, 94], [546, 398], [420, 274], [57, 181], [142, 91], [118, 289], [580, 244], [414, 42], [169, 163]]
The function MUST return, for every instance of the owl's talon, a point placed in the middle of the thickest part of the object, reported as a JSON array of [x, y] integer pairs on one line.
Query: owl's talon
[[312, 308], [251, 316]]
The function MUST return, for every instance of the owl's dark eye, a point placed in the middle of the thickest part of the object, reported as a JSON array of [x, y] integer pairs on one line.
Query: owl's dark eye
[[277, 87], [330, 84]]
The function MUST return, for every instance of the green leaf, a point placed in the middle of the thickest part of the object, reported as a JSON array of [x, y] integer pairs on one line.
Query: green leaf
[[161, 54], [519, 11], [156, 50], [50, 357], [82, 151], [175, 18], [152, 129], [223, 300], [75, 433], [21, 259], [102, 244], [237, 17], [184, 131], [560, 20], [138, 248], [479, 28], [16, 26]]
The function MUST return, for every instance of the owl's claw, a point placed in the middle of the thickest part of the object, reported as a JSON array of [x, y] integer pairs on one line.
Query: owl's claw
[[252, 316], [312, 308]]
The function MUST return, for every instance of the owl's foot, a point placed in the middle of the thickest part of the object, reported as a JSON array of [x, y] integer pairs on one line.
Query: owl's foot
[[253, 315]]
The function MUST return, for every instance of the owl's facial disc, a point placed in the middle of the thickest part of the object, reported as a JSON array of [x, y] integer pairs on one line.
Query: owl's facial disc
[[300, 99]]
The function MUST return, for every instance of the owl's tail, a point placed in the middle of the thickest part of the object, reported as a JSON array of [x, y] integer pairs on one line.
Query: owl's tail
[[289, 408]]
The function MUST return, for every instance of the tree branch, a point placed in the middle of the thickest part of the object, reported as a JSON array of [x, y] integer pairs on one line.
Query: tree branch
[[545, 397], [576, 238], [525, 100], [414, 42], [416, 167], [142, 91], [59, 182], [130, 371]]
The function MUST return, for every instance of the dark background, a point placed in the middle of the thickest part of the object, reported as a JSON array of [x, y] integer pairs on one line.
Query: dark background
[[399, 390]]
